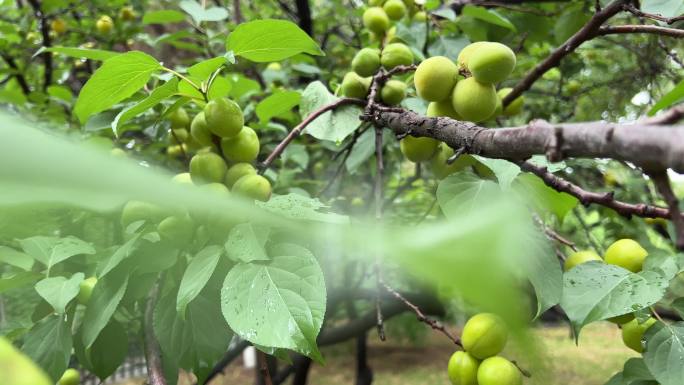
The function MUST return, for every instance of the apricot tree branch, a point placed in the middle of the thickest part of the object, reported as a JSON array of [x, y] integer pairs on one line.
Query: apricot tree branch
[[639, 28], [585, 33], [637, 12], [155, 373], [301, 126], [662, 184]]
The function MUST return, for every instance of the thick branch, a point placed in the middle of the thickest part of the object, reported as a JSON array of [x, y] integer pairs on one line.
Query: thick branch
[[585, 33], [155, 373], [47, 41], [638, 28], [649, 146]]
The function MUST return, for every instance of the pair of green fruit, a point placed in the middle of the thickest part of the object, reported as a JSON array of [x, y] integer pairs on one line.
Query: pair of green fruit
[[484, 336], [242, 178], [626, 253], [367, 62]]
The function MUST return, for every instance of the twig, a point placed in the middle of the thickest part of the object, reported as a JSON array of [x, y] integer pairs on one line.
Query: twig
[[378, 191], [17, 73], [551, 234], [434, 324], [180, 144], [638, 28], [47, 41], [155, 373], [263, 368], [662, 184], [301, 126], [523, 371], [637, 12]]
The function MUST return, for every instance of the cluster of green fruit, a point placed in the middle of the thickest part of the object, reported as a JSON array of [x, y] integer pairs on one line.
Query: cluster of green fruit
[[439, 81], [484, 336], [381, 13], [104, 23], [630, 255]]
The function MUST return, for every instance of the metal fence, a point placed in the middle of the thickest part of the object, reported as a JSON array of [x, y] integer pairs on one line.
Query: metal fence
[[133, 367]]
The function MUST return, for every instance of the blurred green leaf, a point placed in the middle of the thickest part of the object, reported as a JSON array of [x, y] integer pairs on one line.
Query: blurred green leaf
[[674, 96], [276, 104], [15, 258], [201, 14], [81, 53], [49, 344], [52, 250], [162, 17], [105, 299], [488, 15]]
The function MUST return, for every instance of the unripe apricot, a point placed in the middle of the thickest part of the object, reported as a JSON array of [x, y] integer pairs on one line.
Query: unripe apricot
[[462, 369], [396, 54], [207, 167], [179, 118], [484, 335], [626, 253], [127, 14], [376, 20], [466, 52], [395, 9], [199, 130], [443, 108], [104, 24], [224, 117], [85, 290], [580, 257], [393, 92], [514, 107], [177, 229], [439, 165], [474, 101], [418, 149], [491, 62], [176, 150], [420, 17], [633, 333], [435, 78], [135, 211], [274, 66], [253, 186], [181, 134], [237, 171], [58, 26], [243, 147], [498, 371], [70, 377], [182, 178], [19, 369], [354, 86], [366, 62]]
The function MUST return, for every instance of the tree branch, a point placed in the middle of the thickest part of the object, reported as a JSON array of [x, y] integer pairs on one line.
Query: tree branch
[[637, 12], [304, 15], [47, 41], [638, 28], [17, 73], [662, 184], [155, 373]]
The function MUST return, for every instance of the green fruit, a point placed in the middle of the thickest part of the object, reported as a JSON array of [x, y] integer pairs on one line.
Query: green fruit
[[466, 52], [393, 92], [633, 333], [70, 377], [484, 335], [443, 108], [491, 62], [237, 171], [435, 78], [179, 118], [366, 62], [439, 165], [85, 290], [498, 371], [182, 178], [626, 253], [396, 54], [462, 369], [253, 186], [275, 66], [176, 150], [580, 257], [573, 86], [224, 117], [177, 229], [135, 211], [354, 86], [357, 202], [418, 149], [181, 134], [621, 319], [474, 101], [395, 9], [207, 167], [376, 20], [17, 368], [127, 13], [244, 147], [104, 25], [420, 17], [514, 107], [199, 130]]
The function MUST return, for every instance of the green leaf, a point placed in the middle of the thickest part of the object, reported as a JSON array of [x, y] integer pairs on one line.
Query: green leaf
[[109, 350], [15, 258], [540, 160], [488, 15], [571, 21], [49, 344], [163, 17], [270, 40], [205, 68], [200, 14], [60, 92], [157, 96], [463, 192], [504, 170], [666, 8], [595, 291], [332, 125], [635, 370], [117, 79], [296, 206], [413, 34], [543, 197], [664, 353], [246, 243], [678, 306], [106, 297], [59, 291], [670, 98], [197, 275], [20, 279], [52, 250], [544, 272], [279, 304], [81, 53], [123, 252], [277, 104]]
